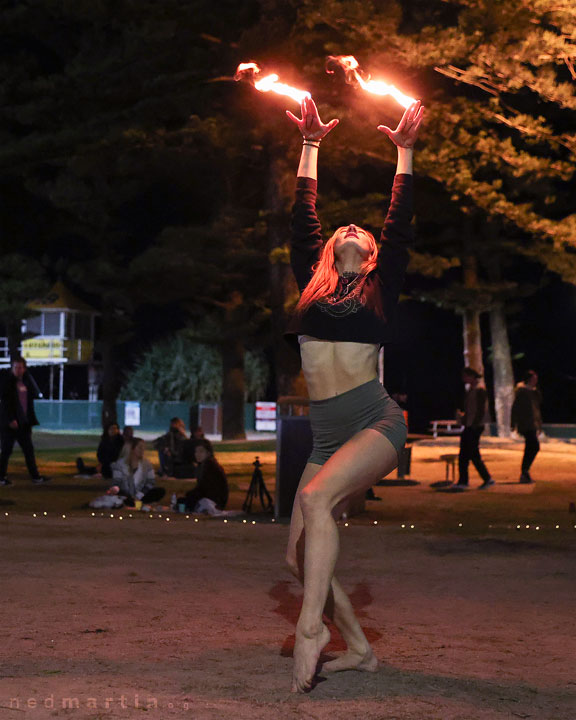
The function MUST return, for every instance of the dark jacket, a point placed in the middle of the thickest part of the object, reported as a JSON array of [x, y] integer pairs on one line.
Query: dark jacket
[[10, 408], [212, 481], [526, 415], [109, 449]]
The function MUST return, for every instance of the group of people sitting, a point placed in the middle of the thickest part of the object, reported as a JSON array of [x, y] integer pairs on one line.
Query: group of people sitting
[[121, 459]]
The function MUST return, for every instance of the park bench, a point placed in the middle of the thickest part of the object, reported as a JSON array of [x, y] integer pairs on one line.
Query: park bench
[[446, 427]]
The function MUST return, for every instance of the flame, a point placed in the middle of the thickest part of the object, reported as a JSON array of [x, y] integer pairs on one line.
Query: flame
[[354, 74], [249, 71]]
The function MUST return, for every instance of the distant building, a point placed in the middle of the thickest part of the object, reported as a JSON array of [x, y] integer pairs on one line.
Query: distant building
[[63, 332]]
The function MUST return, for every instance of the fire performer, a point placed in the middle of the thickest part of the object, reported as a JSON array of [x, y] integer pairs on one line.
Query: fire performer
[[349, 291]]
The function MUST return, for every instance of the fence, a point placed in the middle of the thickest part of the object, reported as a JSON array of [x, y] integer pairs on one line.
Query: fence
[[83, 415]]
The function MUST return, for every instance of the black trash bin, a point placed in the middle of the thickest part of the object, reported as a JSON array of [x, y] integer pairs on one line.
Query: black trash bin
[[293, 448]]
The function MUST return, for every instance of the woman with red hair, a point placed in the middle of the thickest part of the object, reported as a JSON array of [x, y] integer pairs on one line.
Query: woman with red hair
[[347, 310]]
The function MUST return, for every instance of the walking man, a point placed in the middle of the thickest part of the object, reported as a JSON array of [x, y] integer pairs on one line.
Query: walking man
[[17, 417], [473, 418], [527, 420]]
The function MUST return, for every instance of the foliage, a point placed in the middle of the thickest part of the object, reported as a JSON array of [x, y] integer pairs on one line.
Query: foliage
[[181, 369]]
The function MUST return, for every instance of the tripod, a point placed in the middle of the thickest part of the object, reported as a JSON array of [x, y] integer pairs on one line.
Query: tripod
[[257, 488]]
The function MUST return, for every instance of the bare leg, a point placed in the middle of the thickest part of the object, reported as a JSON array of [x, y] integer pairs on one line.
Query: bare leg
[[338, 607], [354, 467]]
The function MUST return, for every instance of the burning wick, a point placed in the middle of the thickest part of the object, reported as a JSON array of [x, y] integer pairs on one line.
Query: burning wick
[[354, 75], [249, 72]]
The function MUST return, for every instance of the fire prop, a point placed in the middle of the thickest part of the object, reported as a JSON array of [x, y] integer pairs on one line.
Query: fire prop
[[250, 72], [355, 75]]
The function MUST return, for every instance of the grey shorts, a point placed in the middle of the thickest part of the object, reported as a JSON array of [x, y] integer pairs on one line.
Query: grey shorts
[[335, 420]]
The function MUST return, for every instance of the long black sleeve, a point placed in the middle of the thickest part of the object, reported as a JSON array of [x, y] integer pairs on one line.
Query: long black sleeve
[[306, 231], [396, 234]]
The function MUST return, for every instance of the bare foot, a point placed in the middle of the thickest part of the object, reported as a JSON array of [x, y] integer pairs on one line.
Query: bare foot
[[351, 660], [307, 649]]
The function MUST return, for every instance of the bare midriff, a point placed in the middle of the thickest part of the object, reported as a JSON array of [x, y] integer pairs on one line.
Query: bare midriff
[[333, 367]]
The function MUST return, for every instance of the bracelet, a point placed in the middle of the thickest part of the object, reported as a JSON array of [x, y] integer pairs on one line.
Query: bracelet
[[311, 143]]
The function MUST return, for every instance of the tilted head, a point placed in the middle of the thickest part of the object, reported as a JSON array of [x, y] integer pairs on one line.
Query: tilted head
[[351, 246], [137, 449], [202, 451]]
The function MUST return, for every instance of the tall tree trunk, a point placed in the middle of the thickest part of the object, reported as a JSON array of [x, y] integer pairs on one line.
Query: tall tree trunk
[[233, 390], [109, 383], [14, 336], [472, 334], [233, 380], [502, 368], [289, 380]]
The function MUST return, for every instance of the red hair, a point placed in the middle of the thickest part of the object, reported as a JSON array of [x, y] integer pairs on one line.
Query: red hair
[[325, 278]]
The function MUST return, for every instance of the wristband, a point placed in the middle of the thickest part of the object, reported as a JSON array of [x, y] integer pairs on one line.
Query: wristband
[[311, 143]]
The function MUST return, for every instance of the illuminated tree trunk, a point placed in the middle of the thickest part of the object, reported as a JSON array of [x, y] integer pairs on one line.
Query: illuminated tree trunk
[[502, 369], [471, 318]]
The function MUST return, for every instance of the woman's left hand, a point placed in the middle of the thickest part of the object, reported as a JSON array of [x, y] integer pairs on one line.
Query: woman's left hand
[[407, 131]]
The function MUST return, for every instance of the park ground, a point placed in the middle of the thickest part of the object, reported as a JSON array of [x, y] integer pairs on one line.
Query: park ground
[[467, 599]]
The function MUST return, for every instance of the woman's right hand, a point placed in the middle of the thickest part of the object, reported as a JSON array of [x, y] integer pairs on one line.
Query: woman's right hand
[[311, 127]]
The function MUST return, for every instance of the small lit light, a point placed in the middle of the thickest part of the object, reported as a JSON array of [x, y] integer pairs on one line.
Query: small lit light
[[345, 524], [375, 522], [537, 527], [129, 515], [253, 522], [273, 519], [63, 516], [6, 514], [93, 514], [412, 527], [120, 517], [167, 519], [187, 517], [159, 516], [33, 514], [111, 515], [196, 520], [517, 527], [45, 513], [225, 521], [527, 527], [402, 526], [151, 516], [244, 521], [459, 524], [557, 527]]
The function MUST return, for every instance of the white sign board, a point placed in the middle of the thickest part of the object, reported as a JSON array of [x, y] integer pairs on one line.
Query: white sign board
[[132, 414], [266, 417]]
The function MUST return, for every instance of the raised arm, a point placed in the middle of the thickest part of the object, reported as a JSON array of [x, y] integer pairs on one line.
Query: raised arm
[[397, 233], [306, 230], [312, 130]]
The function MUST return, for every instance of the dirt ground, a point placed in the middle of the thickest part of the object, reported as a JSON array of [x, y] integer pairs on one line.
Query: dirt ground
[[471, 617]]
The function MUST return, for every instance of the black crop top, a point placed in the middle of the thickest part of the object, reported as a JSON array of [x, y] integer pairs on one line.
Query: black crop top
[[368, 316]]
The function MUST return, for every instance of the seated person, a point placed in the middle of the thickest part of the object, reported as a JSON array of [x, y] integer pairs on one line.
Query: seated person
[[109, 450], [211, 479], [127, 435], [135, 477], [170, 446], [188, 467]]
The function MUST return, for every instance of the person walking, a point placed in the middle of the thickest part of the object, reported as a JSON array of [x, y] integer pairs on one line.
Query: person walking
[[347, 310], [17, 418], [527, 420], [473, 418]]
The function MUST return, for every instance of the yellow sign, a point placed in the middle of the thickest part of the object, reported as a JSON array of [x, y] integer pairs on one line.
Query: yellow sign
[[54, 348]]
